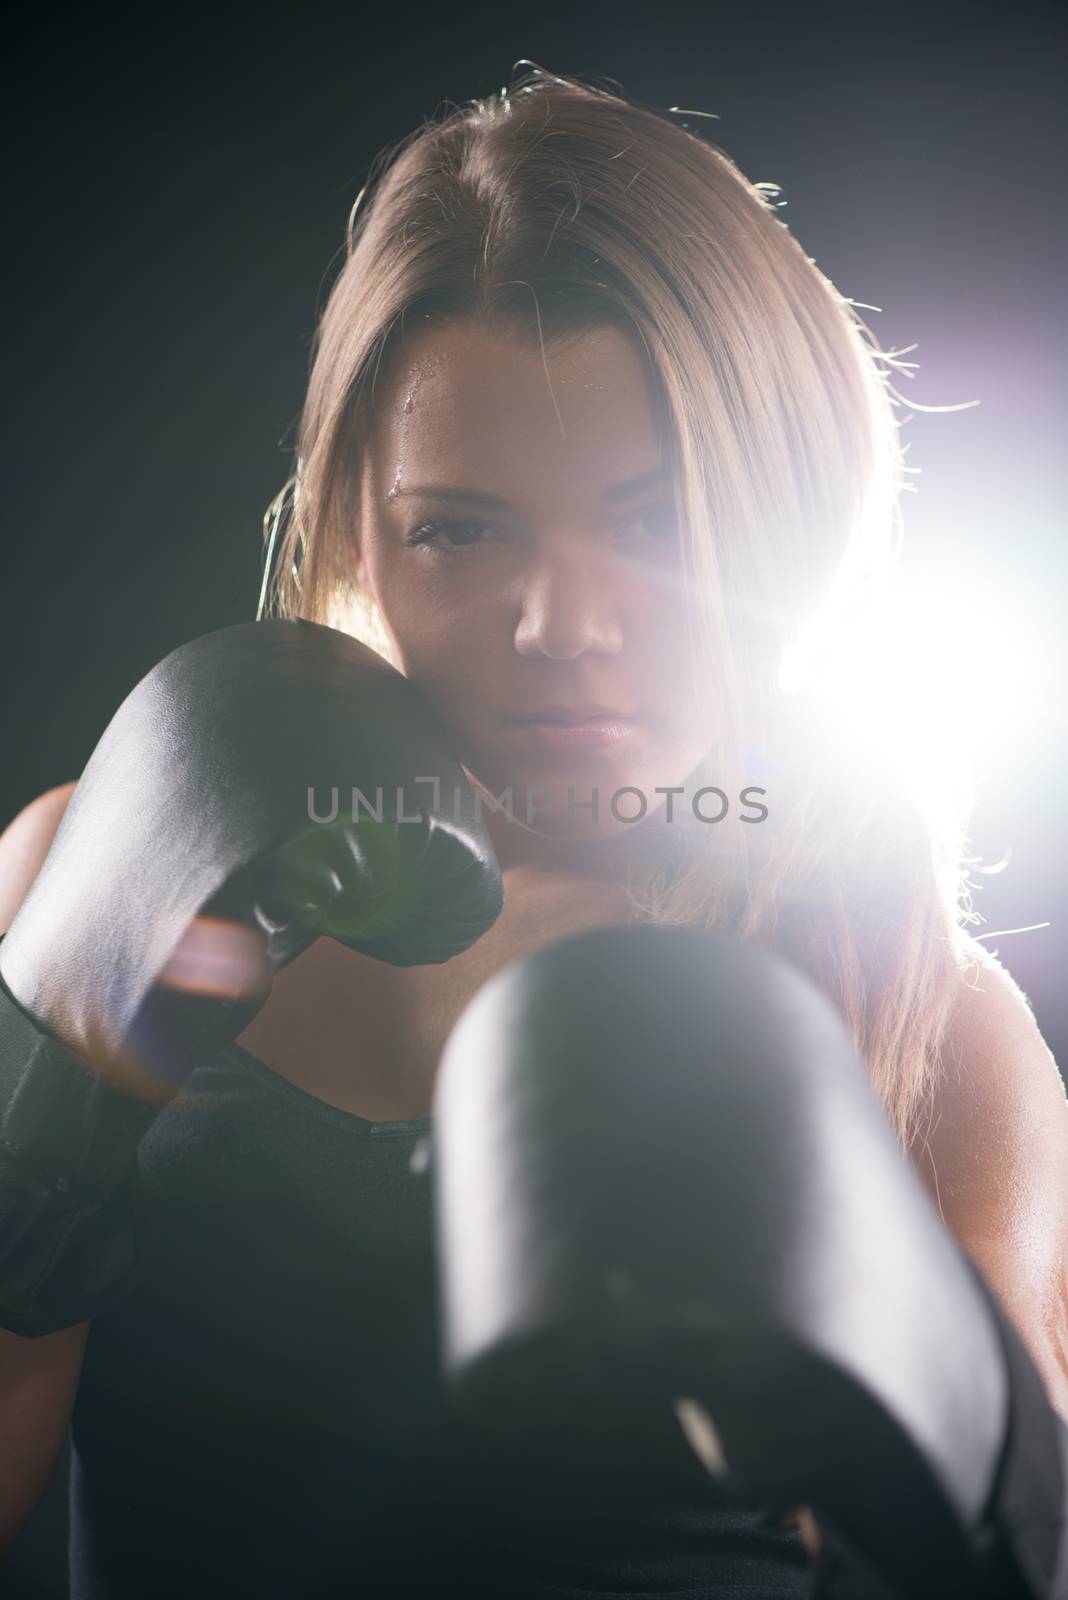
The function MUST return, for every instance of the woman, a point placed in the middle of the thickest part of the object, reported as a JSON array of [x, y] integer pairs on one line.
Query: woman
[[587, 440]]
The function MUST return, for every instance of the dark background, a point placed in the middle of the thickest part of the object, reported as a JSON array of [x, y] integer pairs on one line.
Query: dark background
[[177, 188]]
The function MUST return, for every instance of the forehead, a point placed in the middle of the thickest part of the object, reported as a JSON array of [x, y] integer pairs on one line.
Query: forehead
[[479, 406]]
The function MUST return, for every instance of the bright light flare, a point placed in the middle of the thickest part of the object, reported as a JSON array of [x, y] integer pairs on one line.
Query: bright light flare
[[224, 960], [939, 677]]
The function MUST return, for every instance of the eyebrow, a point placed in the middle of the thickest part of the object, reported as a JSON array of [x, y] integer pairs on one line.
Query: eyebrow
[[459, 493]]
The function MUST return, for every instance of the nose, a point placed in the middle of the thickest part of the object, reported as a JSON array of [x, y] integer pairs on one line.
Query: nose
[[569, 607]]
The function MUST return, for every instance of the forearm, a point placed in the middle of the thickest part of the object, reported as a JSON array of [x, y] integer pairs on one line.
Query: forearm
[[68, 1144]]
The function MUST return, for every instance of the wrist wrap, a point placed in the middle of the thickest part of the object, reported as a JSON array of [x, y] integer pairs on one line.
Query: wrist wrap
[[70, 1222]]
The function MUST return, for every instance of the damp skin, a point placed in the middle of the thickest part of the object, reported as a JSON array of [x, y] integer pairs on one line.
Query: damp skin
[[544, 585]]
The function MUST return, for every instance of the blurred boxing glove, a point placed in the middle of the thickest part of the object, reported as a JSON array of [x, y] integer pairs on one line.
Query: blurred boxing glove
[[261, 786], [661, 1176]]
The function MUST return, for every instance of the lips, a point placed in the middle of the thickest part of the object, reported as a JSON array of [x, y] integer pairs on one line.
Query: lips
[[574, 716], [568, 741]]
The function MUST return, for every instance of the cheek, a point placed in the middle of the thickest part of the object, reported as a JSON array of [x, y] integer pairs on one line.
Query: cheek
[[423, 600], [450, 656]]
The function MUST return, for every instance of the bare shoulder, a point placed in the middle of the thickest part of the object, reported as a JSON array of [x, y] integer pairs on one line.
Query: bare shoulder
[[24, 844], [995, 1156], [997, 1138]]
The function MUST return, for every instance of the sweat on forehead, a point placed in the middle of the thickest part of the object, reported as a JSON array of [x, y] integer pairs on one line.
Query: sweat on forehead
[[469, 402]]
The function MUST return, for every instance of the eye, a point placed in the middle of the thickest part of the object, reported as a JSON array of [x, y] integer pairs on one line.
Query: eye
[[659, 522], [429, 533]]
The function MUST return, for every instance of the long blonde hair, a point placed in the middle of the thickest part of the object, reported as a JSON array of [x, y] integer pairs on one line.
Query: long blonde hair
[[558, 205]]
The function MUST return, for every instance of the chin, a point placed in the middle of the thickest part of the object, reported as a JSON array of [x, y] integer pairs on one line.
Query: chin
[[567, 830]]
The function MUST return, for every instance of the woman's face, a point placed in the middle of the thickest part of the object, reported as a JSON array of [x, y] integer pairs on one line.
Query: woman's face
[[517, 532]]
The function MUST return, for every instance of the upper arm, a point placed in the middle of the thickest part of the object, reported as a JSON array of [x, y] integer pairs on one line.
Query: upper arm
[[24, 844], [38, 1376], [38, 1383], [995, 1160]]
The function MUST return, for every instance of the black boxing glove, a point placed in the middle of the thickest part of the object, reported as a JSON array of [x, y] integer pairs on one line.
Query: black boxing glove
[[261, 786], [662, 1177]]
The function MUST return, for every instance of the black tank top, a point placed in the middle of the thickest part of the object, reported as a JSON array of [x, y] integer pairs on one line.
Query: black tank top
[[263, 1414]]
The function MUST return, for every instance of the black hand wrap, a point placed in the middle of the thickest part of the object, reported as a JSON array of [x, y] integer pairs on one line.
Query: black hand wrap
[[70, 1224]]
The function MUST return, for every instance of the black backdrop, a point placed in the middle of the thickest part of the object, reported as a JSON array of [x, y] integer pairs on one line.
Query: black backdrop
[[177, 187]]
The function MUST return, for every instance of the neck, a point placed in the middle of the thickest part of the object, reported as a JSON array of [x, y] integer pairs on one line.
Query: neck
[[610, 857]]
